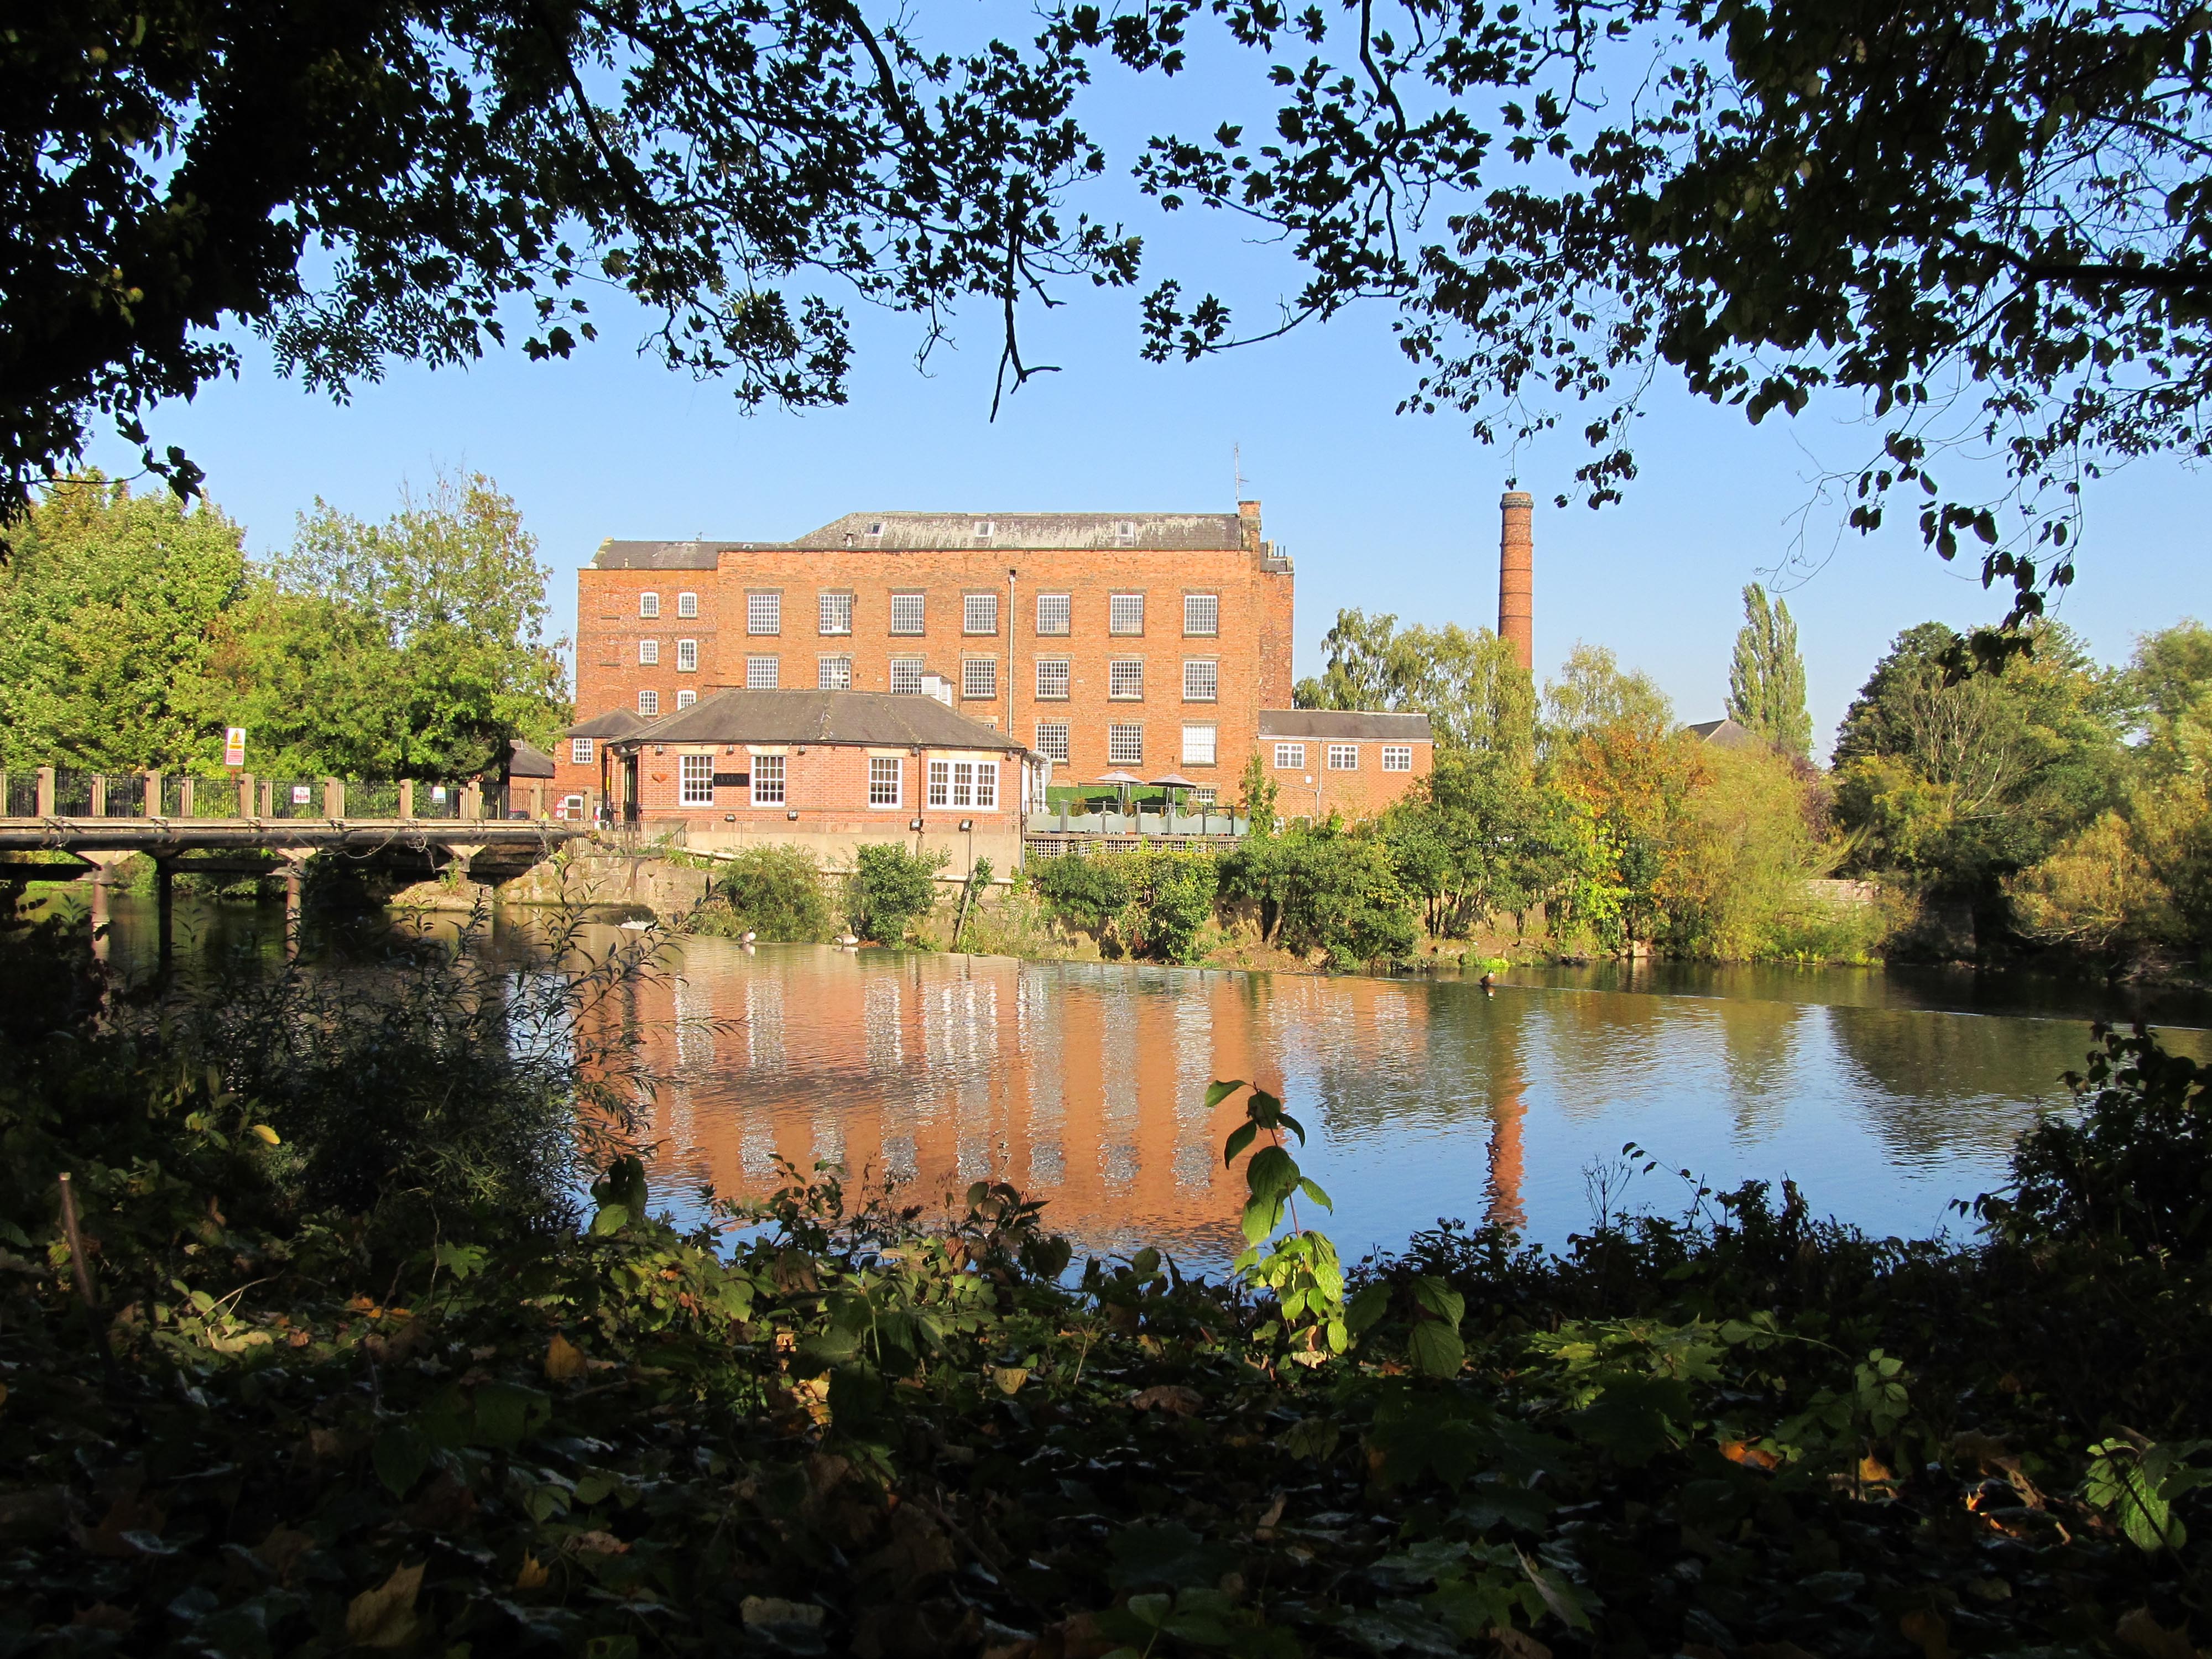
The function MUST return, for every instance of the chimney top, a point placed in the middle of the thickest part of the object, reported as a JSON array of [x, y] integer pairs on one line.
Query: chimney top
[[1517, 498]]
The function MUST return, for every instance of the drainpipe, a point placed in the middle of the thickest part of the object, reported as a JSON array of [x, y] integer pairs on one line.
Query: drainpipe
[[1011, 574]]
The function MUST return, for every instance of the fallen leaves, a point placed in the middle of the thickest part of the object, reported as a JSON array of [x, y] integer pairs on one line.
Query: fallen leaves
[[385, 1616], [564, 1360], [2140, 1630], [1174, 1397]]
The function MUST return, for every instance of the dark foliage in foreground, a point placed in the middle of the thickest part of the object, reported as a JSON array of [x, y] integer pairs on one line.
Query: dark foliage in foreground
[[447, 1426]]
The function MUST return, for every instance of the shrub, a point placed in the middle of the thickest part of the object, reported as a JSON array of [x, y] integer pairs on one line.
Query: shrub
[[776, 892], [1083, 893], [888, 889], [1338, 893], [1172, 900]]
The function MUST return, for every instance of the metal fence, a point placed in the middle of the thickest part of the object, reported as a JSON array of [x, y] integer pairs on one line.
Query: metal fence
[[79, 793]]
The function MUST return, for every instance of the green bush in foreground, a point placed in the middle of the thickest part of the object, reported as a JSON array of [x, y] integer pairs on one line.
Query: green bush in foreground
[[888, 889], [830, 1424], [776, 892]]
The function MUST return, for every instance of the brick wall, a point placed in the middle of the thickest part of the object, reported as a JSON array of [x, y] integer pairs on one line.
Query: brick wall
[[1311, 789], [610, 631]]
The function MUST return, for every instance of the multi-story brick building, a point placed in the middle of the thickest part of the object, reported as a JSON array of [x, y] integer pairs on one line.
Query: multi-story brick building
[[1349, 761], [1145, 642]]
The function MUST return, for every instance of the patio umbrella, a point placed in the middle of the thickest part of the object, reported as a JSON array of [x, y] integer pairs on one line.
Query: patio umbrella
[[1124, 783], [1174, 780]]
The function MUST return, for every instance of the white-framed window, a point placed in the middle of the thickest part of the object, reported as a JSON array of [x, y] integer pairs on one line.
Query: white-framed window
[[762, 673], [1206, 796], [1125, 745], [571, 807], [649, 654], [835, 612], [687, 656], [979, 613], [649, 703], [906, 676], [768, 780], [834, 674], [648, 605], [1201, 613], [685, 699], [1290, 757], [987, 528], [1202, 680], [1344, 757], [1052, 678], [1052, 740], [1397, 757], [963, 783], [686, 604], [887, 779], [1126, 530], [764, 613], [1125, 678], [1125, 614], [1054, 611], [909, 613], [979, 677], [1198, 745], [580, 751], [697, 780]]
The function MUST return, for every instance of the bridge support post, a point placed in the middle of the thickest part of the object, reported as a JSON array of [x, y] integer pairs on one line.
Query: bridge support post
[[45, 791], [103, 866], [164, 901], [406, 798], [153, 794], [295, 860]]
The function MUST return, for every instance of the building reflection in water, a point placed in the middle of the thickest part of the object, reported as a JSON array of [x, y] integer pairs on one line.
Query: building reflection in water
[[1083, 1084]]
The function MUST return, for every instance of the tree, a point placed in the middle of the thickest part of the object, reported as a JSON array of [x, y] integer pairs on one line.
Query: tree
[[390, 179], [1766, 679], [411, 648], [889, 888], [1473, 690], [107, 609], [1988, 226]]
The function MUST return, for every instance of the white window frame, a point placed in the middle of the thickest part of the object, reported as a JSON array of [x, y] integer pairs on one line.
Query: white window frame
[[1290, 757], [833, 674], [1125, 614], [694, 780], [580, 751], [649, 703], [940, 783], [1206, 687], [1120, 734], [979, 672], [1212, 744], [687, 656], [1344, 757], [833, 612], [769, 794], [685, 699], [648, 605], [1201, 615], [886, 770], [763, 673], [1206, 795], [909, 669], [916, 608], [1124, 670], [686, 604], [979, 614], [649, 654], [1054, 675], [764, 612], [1055, 616], [1052, 741], [987, 786], [1397, 757]]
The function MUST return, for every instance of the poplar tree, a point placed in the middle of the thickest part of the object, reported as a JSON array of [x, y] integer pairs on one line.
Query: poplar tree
[[1766, 681]]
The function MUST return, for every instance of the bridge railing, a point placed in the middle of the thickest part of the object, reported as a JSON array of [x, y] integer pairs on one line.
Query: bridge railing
[[78, 792], [22, 796]]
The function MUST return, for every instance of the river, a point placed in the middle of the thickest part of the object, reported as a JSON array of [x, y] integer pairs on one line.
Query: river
[[1885, 1096]]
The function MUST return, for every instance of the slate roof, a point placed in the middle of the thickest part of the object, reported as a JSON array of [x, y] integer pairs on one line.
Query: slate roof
[[526, 760], [1016, 533], [874, 717], [1726, 734], [1344, 724], [615, 723]]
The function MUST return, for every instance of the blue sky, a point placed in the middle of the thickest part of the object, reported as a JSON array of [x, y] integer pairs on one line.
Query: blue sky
[[1380, 511]]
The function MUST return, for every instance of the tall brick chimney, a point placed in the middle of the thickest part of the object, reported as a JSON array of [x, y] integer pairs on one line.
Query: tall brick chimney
[[1517, 575]]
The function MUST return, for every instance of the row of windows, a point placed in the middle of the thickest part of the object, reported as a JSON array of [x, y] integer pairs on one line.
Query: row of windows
[[687, 655], [979, 676], [649, 703], [1125, 743], [952, 783], [648, 605], [979, 612], [1343, 756]]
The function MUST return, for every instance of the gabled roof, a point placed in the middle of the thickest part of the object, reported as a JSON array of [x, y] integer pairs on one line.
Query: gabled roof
[[614, 723], [525, 759], [1344, 724], [1726, 734], [876, 718]]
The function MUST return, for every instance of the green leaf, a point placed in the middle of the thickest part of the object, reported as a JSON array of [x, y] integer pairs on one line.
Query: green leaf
[[1439, 1299], [1170, 1556], [1218, 1091], [1366, 1308], [1436, 1350], [612, 1219], [507, 1413], [1239, 1139], [1635, 1417], [401, 1454]]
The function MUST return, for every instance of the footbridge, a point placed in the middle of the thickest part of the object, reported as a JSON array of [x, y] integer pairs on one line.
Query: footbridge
[[60, 825]]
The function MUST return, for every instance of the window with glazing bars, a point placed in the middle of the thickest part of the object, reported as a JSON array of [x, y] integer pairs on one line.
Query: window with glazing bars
[[768, 780], [908, 613], [648, 605], [764, 613], [1202, 680], [687, 656], [1052, 612], [1201, 613], [884, 775], [1125, 614], [580, 751], [686, 604], [1344, 757], [1125, 746], [836, 613], [834, 674], [685, 699], [1052, 678], [1126, 678], [698, 779], [979, 677], [1397, 757], [1198, 745], [761, 673], [1052, 740], [649, 703], [649, 654], [906, 676], [1290, 757], [979, 613], [963, 783]]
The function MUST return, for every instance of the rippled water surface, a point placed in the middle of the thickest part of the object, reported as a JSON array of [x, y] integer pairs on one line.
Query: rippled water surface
[[1886, 1096]]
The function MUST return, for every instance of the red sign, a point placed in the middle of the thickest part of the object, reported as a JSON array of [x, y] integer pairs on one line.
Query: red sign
[[234, 745]]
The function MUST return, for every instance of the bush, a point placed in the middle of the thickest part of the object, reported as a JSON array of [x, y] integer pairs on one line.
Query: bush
[[776, 892], [1148, 903], [888, 889], [1335, 892], [1086, 892]]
